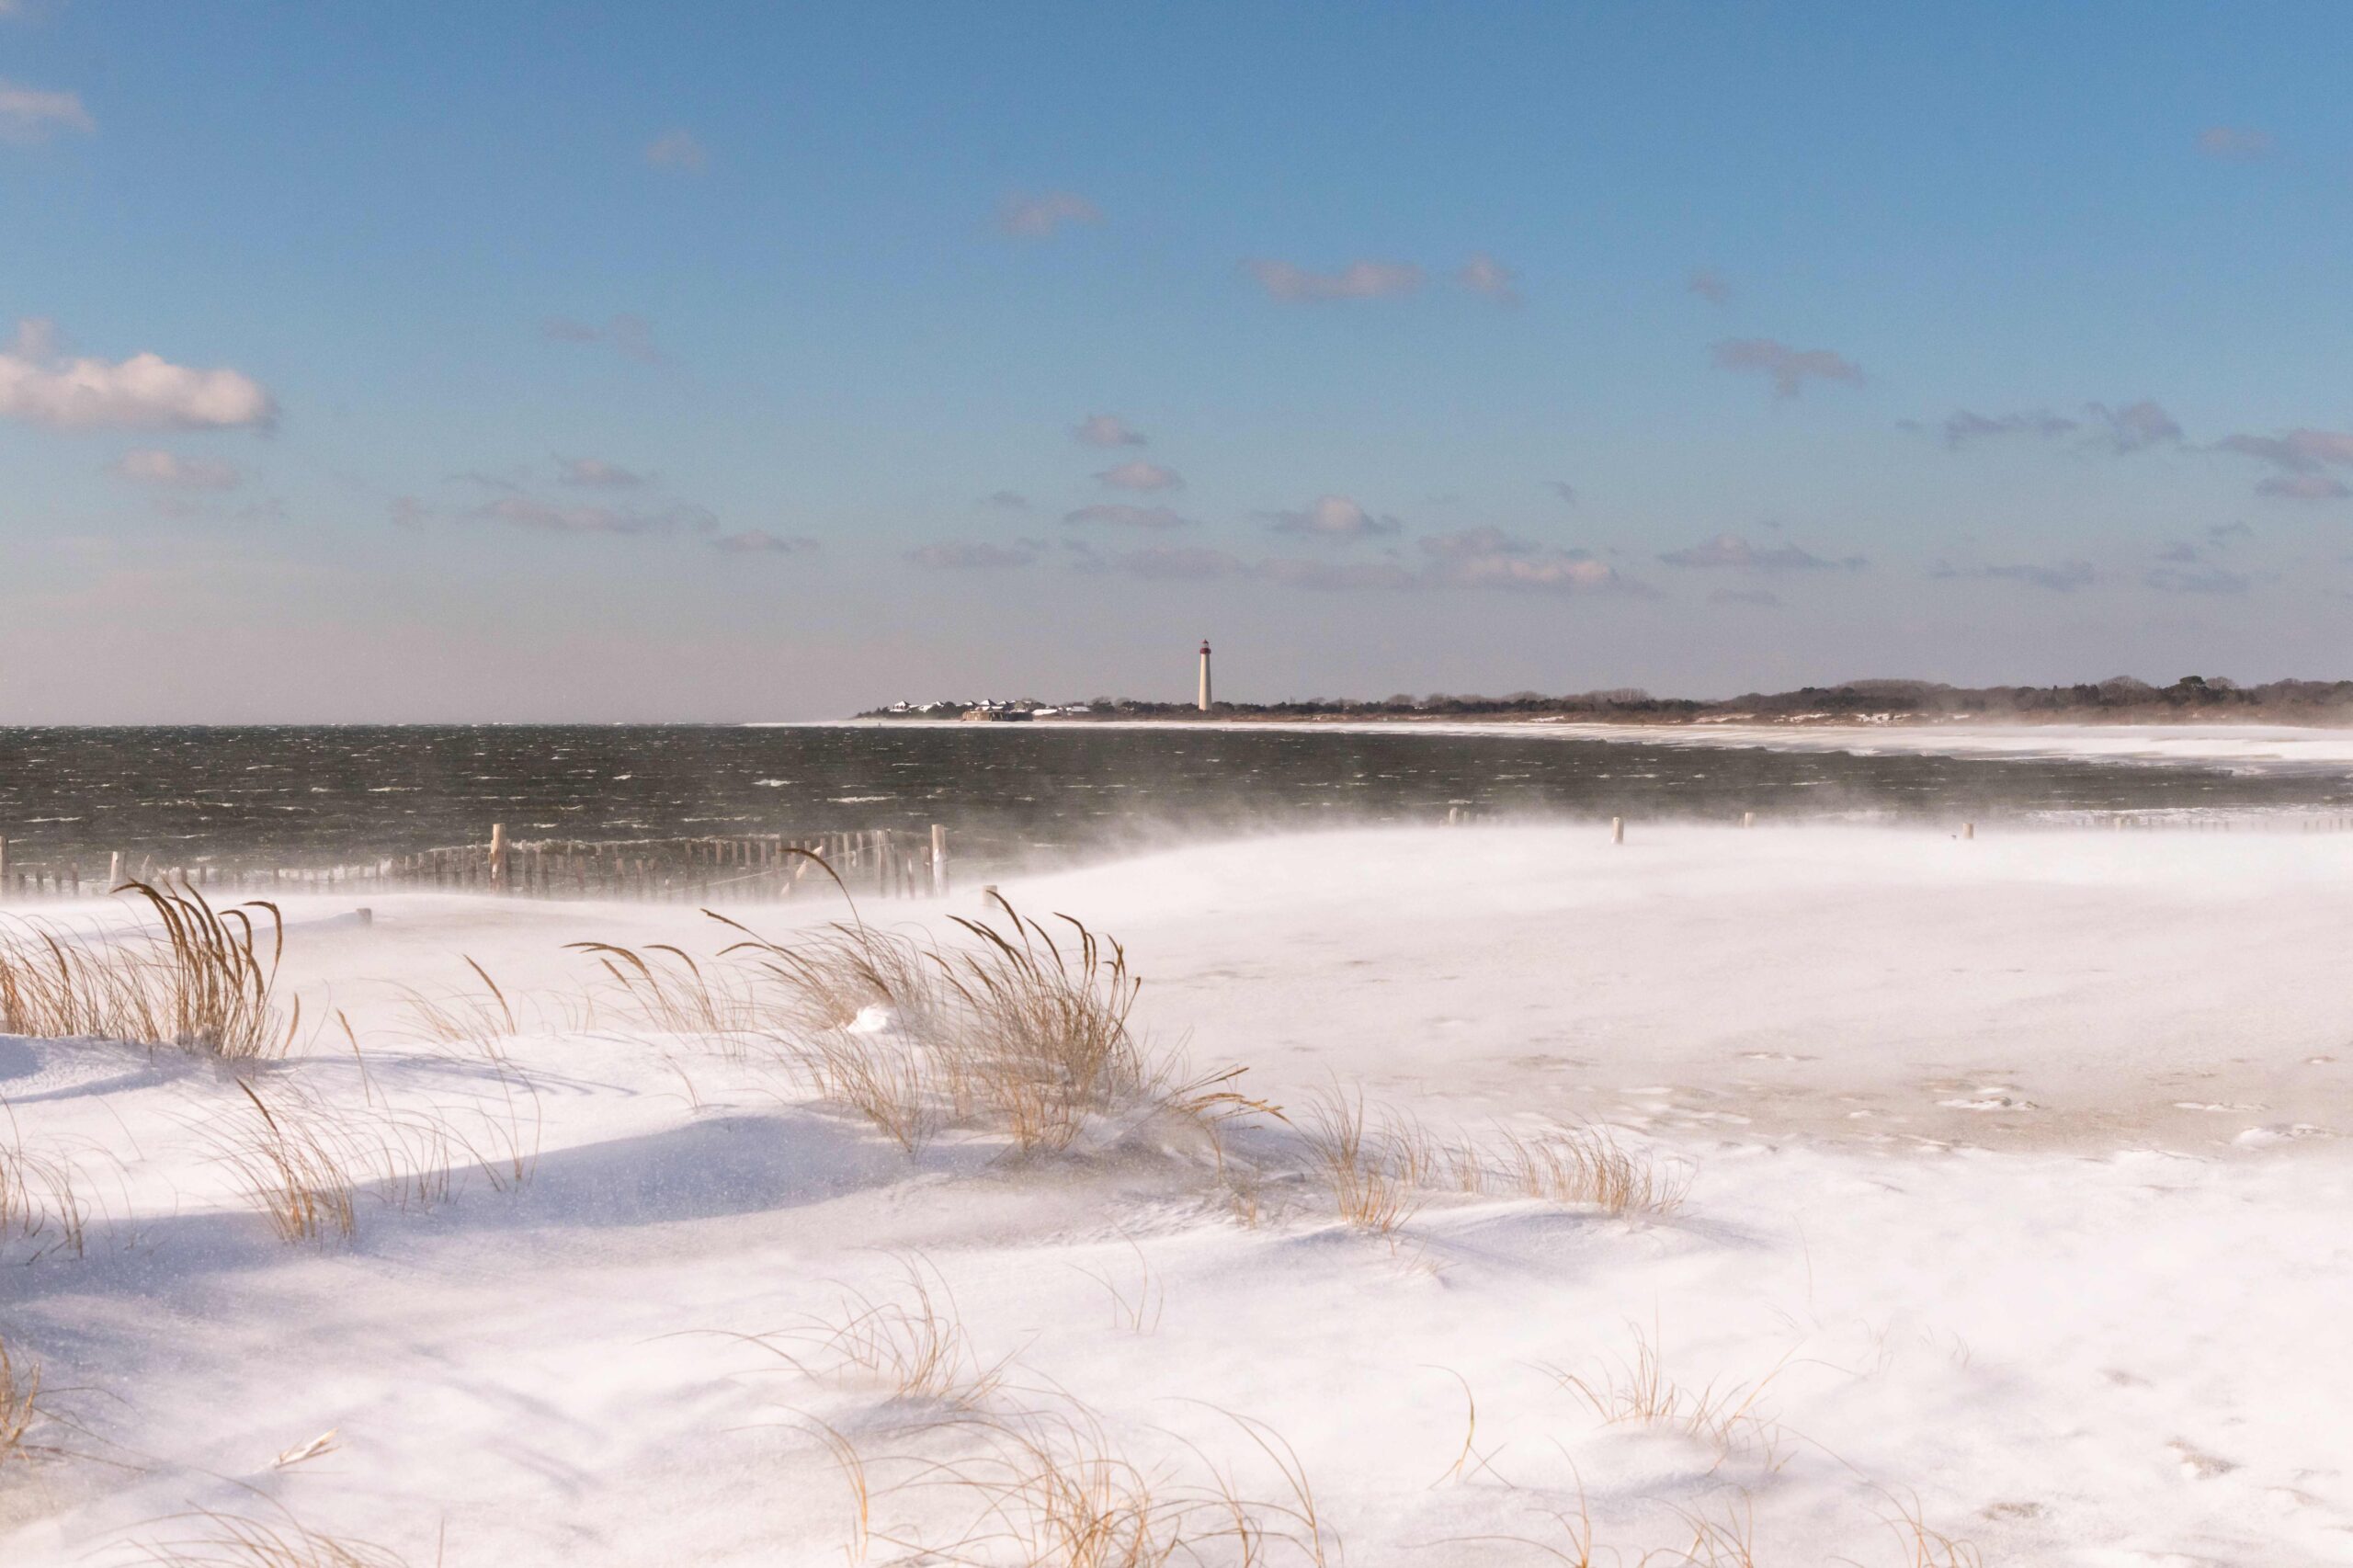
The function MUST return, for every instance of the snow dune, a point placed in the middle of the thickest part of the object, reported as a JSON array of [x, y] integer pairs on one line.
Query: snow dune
[[2016, 1193]]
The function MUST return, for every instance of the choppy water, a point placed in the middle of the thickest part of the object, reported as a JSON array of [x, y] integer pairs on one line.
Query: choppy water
[[312, 796]]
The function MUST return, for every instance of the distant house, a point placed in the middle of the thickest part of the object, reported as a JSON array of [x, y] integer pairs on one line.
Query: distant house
[[995, 715]]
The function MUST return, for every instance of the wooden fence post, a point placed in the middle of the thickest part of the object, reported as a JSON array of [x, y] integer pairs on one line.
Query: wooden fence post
[[498, 857], [1616, 830], [939, 860]]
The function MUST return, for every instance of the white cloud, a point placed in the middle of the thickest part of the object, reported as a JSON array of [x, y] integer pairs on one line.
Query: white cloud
[[1358, 280], [170, 471], [759, 541], [2134, 426], [1142, 475], [960, 555], [1559, 571], [597, 473], [1476, 558], [1961, 426], [2059, 577], [2130, 428], [1335, 576], [676, 150], [1488, 558], [143, 393], [29, 115], [1172, 562], [630, 336], [1788, 368], [2301, 450], [1106, 430], [2300, 457], [2236, 145], [1332, 517], [522, 512], [1483, 274], [1475, 541], [1709, 285], [1728, 549], [2198, 580], [2303, 487], [1040, 216], [1120, 516]]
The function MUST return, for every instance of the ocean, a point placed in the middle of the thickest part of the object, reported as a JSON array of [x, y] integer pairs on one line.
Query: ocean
[[316, 796]]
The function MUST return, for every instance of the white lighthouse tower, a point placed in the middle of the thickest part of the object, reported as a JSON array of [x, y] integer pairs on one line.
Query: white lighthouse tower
[[1205, 675]]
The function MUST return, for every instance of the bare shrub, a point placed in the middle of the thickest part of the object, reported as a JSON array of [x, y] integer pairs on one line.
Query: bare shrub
[[201, 981]]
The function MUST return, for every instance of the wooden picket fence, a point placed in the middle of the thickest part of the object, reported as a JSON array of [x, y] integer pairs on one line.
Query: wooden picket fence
[[752, 868]]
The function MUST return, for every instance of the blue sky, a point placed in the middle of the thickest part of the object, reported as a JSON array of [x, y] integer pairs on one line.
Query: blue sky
[[535, 361]]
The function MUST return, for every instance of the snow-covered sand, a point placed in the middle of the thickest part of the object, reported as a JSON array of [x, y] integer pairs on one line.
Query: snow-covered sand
[[2017, 1177]]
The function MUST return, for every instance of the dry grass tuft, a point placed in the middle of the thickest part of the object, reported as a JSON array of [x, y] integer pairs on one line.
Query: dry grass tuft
[[1021, 1029], [1921, 1547], [912, 1344], [1014, 1030], [1376, 1171], [1049, 1485], [664, 990], [1138, 1313], [201, 981], [462, 1017], [20, 1408], [227, 1541], [296, 1161], [40, 1195], [1382, 1165], [1729, 1418], [1045, 1040], [1577, 1165], [305, 1161]]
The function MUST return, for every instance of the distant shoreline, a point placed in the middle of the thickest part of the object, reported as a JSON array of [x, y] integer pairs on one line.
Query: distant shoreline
[[2301, 718], [2192, 699]]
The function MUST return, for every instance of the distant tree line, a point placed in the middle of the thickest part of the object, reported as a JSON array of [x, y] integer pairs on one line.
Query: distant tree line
[[2122, 697]]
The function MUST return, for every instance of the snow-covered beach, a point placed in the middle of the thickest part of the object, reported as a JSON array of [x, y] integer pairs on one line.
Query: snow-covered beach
[[2012, 1174]]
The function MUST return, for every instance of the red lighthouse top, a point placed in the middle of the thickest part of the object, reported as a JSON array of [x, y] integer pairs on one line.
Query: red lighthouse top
[[1205, 645]]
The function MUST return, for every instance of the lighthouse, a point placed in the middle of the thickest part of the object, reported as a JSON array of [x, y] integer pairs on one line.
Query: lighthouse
[[1205, 675]]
